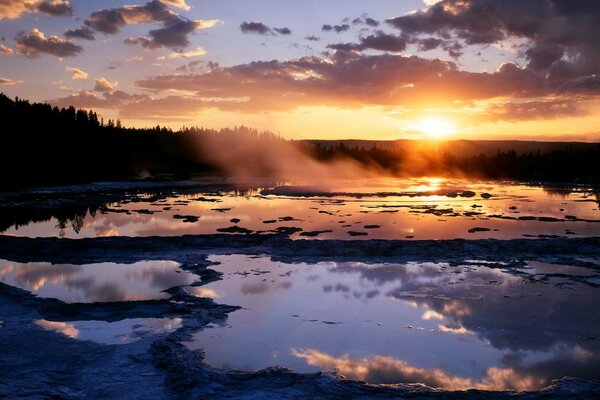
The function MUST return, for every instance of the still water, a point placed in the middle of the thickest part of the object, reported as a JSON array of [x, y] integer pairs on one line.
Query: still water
[[476, 325], [93, 283], [378, 209]]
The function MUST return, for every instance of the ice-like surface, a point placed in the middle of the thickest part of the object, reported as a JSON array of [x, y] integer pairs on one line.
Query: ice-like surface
[[377, 209], [478, 325]]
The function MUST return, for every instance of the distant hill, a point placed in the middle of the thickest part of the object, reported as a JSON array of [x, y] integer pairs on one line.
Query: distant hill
[[460, 148]]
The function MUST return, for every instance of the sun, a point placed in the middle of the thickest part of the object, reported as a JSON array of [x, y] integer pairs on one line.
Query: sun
[[436, 128]]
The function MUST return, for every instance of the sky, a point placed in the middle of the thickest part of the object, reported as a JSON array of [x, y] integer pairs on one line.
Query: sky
[[318, 69]]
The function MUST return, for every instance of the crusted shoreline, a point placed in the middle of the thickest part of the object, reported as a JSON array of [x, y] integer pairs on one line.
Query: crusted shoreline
[[35, 363]]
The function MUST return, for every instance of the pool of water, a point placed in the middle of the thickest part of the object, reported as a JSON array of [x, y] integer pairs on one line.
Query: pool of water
[[101, 282], [118, 332], [477, 325], [377, 209]]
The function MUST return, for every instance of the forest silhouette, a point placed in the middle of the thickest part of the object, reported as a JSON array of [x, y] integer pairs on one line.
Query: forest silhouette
[[44, 145]]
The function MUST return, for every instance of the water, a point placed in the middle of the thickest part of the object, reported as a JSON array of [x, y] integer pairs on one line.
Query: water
[[101, 282], [119, 332], [472, 326], [378, 209]]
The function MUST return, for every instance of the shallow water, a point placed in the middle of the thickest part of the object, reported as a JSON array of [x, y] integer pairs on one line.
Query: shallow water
[[118, 332], [92, 283], [477, 325], [377, 209]]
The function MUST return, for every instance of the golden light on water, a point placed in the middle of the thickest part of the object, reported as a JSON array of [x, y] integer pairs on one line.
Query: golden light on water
[[435, 127]]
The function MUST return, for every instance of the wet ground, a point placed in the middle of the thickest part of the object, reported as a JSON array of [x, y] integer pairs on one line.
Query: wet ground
[[387, 209], [280, 314]]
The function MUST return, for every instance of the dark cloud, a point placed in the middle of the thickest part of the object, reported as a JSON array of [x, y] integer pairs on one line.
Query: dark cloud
[[384, 80], [111, 21], [255, 27], [429, 43], [335, 28], [34, 43], [261, 29], [366, 21], [13, 9], [173, 33], [371, 22], [378, 41], [283, 31], [341, 28], [56, 8], [562, 34], [84, 33], [312, 38]]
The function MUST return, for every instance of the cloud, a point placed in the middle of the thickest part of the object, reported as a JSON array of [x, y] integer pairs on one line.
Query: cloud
[[178, 3], [382, 369], [533, 110], [560, 36], [378, 41], [8, 82], [384, 80], [173, 33], [372, 22], [7, 50], [283, 31], [77, 73], [366, 21], [89, 99], [336, 28], [312, 38], [198, 51], [261, 29], [84, 33], [255, 27], [13, 9], [103, 85], [112, 20], [34, 43], [56, 8]]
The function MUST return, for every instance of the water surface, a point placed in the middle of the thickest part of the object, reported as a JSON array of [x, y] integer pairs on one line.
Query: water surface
[[92, 283], [477, 325], [376, 209]]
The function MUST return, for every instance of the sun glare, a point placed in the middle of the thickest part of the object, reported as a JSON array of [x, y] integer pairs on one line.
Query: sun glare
[[436, 128]]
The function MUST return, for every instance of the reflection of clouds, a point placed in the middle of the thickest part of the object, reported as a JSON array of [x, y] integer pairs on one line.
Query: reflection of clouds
[[203, 292], [65, 328], [159, 274], [382, 369], [516, 314], [36, 275], [102, 282], [118, 332], [254, 288]]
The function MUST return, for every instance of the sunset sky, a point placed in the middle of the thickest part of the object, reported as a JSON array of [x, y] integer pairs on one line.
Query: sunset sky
[[327, 69]]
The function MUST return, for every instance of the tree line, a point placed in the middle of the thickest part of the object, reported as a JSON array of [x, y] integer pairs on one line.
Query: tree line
[[42, 144]]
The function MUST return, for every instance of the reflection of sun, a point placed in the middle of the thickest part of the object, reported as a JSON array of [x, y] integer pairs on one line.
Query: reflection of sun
[[435, 128]]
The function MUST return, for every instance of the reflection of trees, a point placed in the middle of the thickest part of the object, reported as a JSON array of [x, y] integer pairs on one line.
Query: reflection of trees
[[564, 191], [71, 210]]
